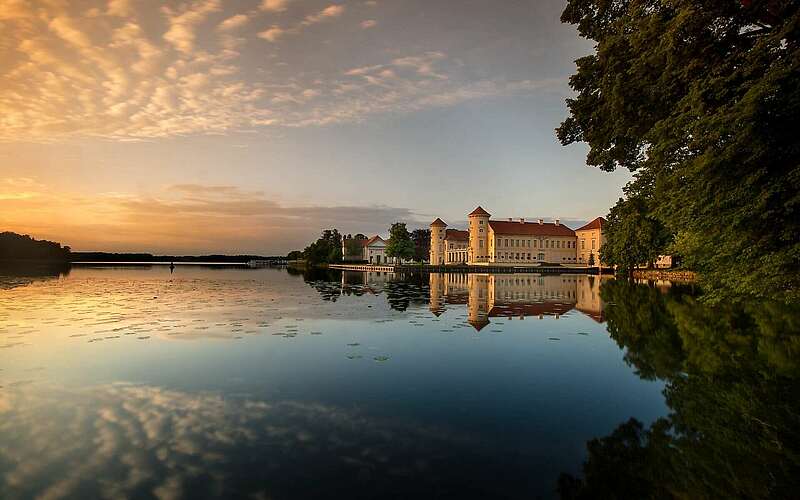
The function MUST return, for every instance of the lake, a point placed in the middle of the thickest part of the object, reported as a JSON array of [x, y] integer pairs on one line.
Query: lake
[[229, 382]]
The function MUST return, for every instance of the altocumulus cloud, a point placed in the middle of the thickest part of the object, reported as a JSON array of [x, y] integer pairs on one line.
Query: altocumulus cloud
[[122, 70]]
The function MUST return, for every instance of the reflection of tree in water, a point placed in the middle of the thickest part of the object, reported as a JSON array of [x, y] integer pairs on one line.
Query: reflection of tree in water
[[23, 274], [412, 290], [401, 290], [732, 387]]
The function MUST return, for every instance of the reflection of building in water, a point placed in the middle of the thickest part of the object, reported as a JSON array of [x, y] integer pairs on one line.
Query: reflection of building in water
[[588, 295], [367, 277], [516, 295]]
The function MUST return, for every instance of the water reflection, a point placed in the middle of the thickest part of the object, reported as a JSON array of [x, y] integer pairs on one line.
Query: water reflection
[[124, 440], [516, 295], [17, 274], [327, 385], [732, 386]]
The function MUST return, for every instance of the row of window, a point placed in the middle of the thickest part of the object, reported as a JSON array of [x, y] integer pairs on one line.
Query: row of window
[[583, 244], [505, 242], [526, 256]]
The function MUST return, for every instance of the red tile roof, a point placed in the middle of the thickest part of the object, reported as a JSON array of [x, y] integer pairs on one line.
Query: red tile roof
[[438, 222], [598, 223], [366, 243], [479, 211], [456, 235], [530, 228]]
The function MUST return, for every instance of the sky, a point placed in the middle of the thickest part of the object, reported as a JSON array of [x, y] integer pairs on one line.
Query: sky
[[248, 126]]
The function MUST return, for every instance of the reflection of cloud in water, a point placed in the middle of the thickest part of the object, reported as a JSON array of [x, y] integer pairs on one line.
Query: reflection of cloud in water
[[124, 440]]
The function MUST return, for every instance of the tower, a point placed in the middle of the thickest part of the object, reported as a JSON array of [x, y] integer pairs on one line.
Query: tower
[[478, 236], [438, 228]]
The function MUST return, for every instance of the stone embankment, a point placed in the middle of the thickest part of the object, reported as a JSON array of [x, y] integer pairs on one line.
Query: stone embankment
[[665, 275]]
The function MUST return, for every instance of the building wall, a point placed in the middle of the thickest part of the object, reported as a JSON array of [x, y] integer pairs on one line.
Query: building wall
[[456, 251], [520, 250], [589, 242]]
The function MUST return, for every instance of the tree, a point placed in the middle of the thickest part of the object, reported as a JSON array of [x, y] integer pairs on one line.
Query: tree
[[399, 245], [422, 244], [327, 249], [700, 99], [294, 255], [15, 246], [353, 246], [633, 235]]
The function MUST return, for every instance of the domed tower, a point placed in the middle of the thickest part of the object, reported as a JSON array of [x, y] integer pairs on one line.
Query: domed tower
[[438, 228], [478, 236]]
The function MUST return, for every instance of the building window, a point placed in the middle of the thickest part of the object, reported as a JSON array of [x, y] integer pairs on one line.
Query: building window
[[480, 243], [529, 256], [592, 244], [583, 244]]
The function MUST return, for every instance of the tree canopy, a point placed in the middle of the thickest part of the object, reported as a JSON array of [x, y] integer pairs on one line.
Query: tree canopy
[[699, 100], [400, 244], [327, 249], [422, 244], [353, 246], [15, 246]]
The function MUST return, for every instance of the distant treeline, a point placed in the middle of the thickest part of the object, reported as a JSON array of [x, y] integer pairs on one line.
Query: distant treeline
[[19, 247], [147, 257]]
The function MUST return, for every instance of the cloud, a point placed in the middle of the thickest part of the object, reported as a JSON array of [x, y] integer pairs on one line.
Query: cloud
[[273, 33], [182, 24], [329, 12], [233, 22], [121, 8], [369, 23], [181, 218], [108, 76], [274, 5]]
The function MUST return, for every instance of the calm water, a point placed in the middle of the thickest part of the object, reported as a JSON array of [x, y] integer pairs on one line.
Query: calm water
[[230, 382]]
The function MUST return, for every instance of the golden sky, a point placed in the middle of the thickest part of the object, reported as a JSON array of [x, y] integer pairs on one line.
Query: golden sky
[[249, 125]]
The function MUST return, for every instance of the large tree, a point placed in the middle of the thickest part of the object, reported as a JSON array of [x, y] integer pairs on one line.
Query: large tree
[[634, 236], [422, 244], [327, 249], [353, 245], [399, 245], [700, 99]]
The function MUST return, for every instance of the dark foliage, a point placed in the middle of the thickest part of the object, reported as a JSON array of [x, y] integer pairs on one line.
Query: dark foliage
[[15, 246]]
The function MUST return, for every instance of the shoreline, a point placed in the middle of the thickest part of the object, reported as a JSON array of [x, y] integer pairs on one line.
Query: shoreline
[[427, 268], [665, 275]]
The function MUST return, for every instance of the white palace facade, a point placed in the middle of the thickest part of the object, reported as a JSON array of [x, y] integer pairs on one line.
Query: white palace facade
[[515, 242]]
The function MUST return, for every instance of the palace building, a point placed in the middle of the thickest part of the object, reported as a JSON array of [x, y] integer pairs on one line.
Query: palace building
[[515, 242]]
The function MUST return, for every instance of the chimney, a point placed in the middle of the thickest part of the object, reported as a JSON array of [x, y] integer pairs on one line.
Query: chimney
[[522, 220], [510, 219], [557, 221], [541, 221]]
